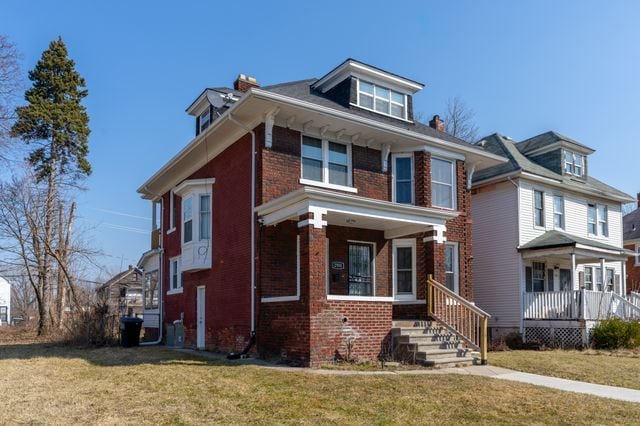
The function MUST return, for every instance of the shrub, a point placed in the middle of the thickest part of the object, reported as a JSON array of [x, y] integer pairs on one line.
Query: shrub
[[616, 333], [93, 325]]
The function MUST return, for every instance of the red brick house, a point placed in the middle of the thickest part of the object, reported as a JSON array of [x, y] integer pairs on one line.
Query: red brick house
[[310, 214], [631, 236]]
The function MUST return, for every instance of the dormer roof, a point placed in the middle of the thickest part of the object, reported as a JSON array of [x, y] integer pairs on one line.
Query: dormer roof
[[549, 141], [216, 96], [352, 67]]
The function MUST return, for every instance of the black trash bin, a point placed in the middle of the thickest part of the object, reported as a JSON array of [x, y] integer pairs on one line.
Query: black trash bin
[[130, 331]]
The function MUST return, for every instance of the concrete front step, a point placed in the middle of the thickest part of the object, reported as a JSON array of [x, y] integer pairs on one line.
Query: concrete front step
[[429, 354], [447, 362], [416, 331]]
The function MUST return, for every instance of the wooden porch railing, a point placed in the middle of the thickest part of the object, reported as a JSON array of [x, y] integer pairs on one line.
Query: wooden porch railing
[[458, 315], [578, 304], [634, 298]]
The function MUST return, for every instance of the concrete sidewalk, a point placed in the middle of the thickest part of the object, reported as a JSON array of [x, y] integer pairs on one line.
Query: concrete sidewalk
[[613, 392]]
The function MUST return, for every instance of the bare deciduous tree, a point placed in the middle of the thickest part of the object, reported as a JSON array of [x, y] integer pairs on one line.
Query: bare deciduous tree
[[628, 208], [459, 120], [10, 85]]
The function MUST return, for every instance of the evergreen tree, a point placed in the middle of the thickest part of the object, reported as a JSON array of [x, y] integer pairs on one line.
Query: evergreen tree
[[56, 123]]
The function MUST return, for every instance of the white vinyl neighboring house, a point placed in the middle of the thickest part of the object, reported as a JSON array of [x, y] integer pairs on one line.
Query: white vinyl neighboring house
[[5, 302], [548, 254]]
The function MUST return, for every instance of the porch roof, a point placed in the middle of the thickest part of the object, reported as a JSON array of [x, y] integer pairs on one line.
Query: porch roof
[[557, 243], [354, 211]]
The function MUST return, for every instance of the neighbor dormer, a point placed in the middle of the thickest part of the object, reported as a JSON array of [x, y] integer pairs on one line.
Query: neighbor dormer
[[213, 102], [354, 84], [557, 153]]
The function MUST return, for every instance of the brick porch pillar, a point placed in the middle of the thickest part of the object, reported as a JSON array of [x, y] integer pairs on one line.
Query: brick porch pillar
[[313, 280]]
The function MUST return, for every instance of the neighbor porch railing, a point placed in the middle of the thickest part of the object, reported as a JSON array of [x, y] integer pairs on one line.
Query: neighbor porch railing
[[634, 298], [578, 305], [458, 315]]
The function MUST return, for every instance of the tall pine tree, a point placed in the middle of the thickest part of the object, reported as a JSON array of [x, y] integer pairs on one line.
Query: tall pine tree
[[56, 124]]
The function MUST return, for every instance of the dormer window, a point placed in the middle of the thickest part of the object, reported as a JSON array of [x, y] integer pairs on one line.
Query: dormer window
[[573, 163], [204, 120], [382, 100]]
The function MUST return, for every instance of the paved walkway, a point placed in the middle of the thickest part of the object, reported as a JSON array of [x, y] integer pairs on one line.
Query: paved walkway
[[613, 392]]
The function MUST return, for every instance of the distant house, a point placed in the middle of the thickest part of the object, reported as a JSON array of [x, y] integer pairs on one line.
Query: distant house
[[548, 252], [123, 292], [5, 302], [631, 224]]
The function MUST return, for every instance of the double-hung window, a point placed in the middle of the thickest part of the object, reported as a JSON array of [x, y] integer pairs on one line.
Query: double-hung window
[[558, 212], [4, 314], [538, 207], [381, 99], [205, 217], [603, 220], [451, 266], [403, 179], [588, 277], [573, 163], [187, 220], [592, 225], [443, 183], [326, 162], [610, 277], [535, 277], [404, 269], [598, 272], [175, 276]]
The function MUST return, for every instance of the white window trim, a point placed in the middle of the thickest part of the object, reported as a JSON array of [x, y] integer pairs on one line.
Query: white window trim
[[598, 221], [456, 266], [183, 220], [325, 167], [454, 184], [544, 213], [206, 111], [361, 298], [172, 219], [406, 242], [179, 288], [374, 96], [573, 163], [562, 213], [637, 262], [393, 175], [591, 269], [194, 190]]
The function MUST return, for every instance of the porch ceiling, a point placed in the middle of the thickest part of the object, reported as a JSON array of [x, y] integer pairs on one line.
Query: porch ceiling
[[339, 209]]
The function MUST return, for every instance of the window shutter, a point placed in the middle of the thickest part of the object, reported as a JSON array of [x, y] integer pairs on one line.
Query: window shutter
[[550, 280], [529, 278]]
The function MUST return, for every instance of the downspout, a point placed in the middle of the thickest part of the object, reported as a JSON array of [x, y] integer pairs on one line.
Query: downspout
[[160, 278], [253, 229]]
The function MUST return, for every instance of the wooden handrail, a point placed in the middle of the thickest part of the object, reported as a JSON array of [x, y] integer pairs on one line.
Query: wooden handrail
[[458, 315]]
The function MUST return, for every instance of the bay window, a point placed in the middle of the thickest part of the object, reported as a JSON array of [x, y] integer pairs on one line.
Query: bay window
[[382, 100], [205, 217], [327, 163], [187, 220], [443, 183], [403, 179]]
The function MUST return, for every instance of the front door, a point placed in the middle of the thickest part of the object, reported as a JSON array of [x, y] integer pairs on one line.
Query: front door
[[200, 317], [360, 269]]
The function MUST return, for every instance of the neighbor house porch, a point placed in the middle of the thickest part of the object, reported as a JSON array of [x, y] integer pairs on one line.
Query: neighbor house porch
[[569, 284]]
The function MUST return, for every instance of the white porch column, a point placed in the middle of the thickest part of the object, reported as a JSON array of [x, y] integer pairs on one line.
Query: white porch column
[[574, 281], [603, 274], [623, 278]]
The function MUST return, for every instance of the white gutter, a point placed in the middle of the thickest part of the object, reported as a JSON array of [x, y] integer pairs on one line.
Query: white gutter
[[253, 221]]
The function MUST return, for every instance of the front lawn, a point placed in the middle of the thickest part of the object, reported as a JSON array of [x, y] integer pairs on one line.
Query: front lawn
[[51, 384], [605, 368]]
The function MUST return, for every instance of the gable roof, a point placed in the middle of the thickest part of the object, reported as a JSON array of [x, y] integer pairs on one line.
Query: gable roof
[[547, 139], [303, 90], [631, 226], [518, 162], [119, 277]]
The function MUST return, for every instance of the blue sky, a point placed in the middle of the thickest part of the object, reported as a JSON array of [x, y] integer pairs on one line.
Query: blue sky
[[524, 67]]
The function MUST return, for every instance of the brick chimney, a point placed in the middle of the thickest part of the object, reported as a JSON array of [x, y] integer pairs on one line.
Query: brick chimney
[[244, 83], [437, 124]]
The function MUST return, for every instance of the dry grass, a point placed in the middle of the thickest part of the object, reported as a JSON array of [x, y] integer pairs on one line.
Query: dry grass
[[53, 384], [620, 368]]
